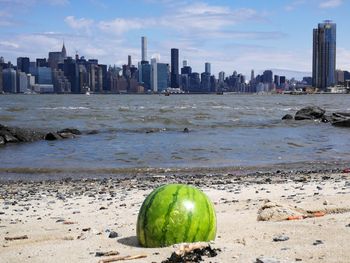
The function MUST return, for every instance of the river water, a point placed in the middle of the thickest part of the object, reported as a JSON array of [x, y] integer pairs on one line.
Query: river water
[[146, 131]]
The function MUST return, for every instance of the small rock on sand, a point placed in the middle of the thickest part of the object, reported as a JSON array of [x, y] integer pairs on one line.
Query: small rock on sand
[[266, 260]]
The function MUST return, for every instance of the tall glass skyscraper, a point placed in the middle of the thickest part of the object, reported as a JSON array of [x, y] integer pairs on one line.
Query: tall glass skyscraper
[[144, 49], [324, 55], [174, 76]]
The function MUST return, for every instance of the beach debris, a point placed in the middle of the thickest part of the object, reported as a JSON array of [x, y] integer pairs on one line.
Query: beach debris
[[318, 242], [119, 258], [192, 253], [16, 238], [113, 234], [69, 222], [267, 260], [348, 225], [271, 211], [106, 254], [281, 238]]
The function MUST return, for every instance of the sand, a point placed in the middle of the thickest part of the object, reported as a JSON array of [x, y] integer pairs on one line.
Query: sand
[[69, 221]]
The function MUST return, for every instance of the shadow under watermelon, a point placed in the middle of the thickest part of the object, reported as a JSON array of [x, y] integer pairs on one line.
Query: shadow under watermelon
[[129, 241]]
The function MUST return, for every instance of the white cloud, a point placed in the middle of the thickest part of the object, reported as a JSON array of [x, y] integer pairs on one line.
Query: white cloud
[[80, 23], [331, 3], [294, 4], [120, 25], [7, 44]]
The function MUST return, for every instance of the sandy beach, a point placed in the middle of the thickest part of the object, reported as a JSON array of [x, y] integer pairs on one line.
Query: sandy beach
[[69, 221]]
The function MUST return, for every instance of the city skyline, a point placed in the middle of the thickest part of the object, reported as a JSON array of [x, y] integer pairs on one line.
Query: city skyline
[[243, 36]]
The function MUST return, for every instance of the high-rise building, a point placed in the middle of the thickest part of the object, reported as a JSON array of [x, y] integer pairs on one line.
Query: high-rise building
[[71, 71], [1, 86], [267, 76], [185, 63], [22, 82], [252, 76], [44, 75], [154, 75], [144, 48], [340, 77], [205, 82], [56, 58], [9, 80], [174, 76], [129, 61], [324, 55], [282, 80], [146, 75], [23, 64], [277, 80], [221, 77], [207, 68]]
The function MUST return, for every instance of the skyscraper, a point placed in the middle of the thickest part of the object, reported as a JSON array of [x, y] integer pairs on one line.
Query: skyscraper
[[23, 64], [144, 48], [207, 68], [252, 76], [324, 55], [174, 76], [154, 75]]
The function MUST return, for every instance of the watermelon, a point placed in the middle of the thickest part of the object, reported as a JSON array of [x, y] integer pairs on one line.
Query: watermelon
[[175, 213]]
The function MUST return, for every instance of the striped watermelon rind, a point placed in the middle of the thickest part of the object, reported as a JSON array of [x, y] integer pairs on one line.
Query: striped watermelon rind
[[175, 213]]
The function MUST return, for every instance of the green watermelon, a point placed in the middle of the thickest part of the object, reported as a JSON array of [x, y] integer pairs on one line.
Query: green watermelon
[[175, 213]]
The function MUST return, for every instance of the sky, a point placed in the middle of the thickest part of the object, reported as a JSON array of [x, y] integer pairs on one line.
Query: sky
[[233, 35]]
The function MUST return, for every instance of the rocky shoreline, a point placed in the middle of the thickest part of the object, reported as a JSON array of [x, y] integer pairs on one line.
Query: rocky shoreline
[[338, 119], [9, 135]]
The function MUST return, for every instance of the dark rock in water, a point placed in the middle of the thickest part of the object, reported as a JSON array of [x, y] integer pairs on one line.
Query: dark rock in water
[[266, 260], [186, 130], [70, 130], [2, 140], [92, 132], [25, 135], [9, 138], [340, 119], [287, 117], [113, 234], [52, 136], [309, 113], [326, 119], [14, 134], [66, 135]]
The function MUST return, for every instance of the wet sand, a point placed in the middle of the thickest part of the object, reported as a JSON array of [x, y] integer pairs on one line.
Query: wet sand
[[69, 221]]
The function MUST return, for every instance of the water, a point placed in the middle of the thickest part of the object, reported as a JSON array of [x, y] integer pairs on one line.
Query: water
[[146, 131]]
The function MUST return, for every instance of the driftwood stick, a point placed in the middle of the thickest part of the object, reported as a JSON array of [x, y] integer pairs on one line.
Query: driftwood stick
[[113, 259], [16, 238], [107, 254]]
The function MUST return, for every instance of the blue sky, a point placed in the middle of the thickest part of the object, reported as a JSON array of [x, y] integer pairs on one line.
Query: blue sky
[[232, 35]]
